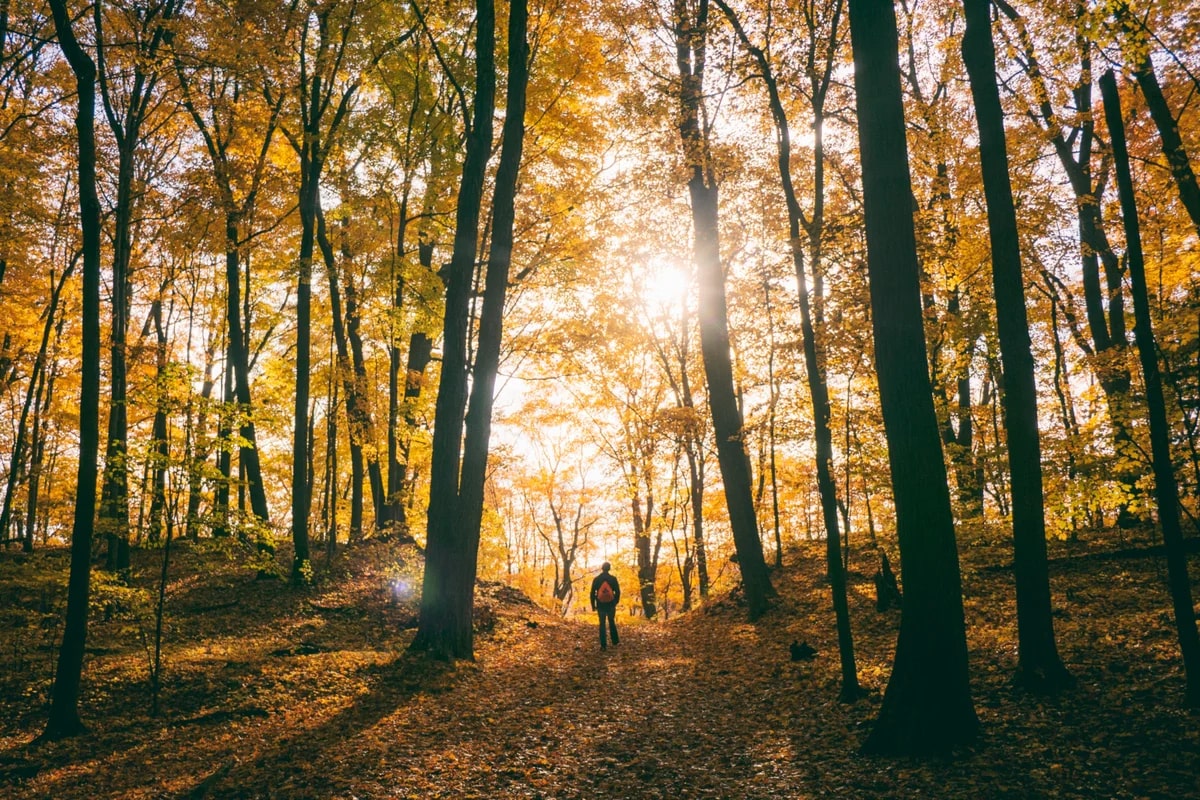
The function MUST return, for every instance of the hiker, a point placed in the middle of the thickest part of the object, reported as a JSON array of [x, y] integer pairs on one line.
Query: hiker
[[606, 593]]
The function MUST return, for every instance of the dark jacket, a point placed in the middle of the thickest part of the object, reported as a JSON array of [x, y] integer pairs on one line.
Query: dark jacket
[[606, 577]]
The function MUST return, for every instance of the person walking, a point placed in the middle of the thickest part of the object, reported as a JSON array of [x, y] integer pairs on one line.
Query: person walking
[[606, 593]]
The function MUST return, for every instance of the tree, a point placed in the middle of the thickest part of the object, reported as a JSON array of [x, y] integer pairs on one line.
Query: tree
[[64, 699], [456, 501], [1160, 432], [690, 36], [128, 77], [927, 706], [1103, 302], [1039, 666], [813, 355], [237, 134], [333, 62], [1160, 112]]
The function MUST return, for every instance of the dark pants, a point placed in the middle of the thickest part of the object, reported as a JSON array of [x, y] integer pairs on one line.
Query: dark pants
[[608, 611]]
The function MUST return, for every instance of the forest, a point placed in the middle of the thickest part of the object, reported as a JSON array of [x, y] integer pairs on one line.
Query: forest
[[341, 341]]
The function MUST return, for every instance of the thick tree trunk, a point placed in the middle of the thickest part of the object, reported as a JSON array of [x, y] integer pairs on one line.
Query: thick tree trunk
[[1166, 490], [690, 42], [444, 622], [64, 697], [491, 317], [1038, 666], [927, 707]]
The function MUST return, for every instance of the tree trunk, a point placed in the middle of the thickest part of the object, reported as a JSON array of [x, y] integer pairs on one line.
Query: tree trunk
[[64, 697], [818, 389], [491, 317], [344, 371], [301, 487], [927, 706], [1104, 303], [159, 446], [1038, 664], [444, 622], [365, 420], [239, 359], [16, 470], [1166, 490], [646, 570], [1164, 120], [691, 43], [126, 129]]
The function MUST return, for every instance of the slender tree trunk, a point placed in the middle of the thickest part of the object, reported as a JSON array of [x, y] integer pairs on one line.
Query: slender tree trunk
[[37, 441], [1038, 666], [444, 623], [771, 425], [344, 371], [818, 389], [64, 697], [1104, 301], [927, 707], [401, 407], [331, 471], [159, 446], [645, 561], [222, 526], [16, 469], [690, 36], [239, 358], [362, 403], [1166, 490], [301, 486], [1164, 120]]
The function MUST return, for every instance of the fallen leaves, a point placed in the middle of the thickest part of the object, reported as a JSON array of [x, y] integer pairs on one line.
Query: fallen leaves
[[311, 695]]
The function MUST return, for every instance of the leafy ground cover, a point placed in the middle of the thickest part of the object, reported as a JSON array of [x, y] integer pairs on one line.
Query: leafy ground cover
[[274, 692]]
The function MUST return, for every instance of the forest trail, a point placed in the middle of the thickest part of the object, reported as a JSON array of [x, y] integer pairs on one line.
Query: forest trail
[[702, 707], [279, 693]]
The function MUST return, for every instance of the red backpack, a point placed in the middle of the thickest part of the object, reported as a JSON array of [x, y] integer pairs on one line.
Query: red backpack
[[604, 594]]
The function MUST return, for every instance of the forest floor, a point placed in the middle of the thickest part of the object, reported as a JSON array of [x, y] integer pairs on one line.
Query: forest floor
[[274, 692]]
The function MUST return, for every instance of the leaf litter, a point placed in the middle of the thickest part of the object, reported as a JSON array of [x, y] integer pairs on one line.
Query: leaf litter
[[276, 692]]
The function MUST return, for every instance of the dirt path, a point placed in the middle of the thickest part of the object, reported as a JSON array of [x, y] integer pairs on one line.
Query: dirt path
[[546, 714]]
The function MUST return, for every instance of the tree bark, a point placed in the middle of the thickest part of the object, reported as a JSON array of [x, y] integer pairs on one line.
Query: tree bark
[[301, 487], [445, 618], [690, 37], [927, 706], [1166, 489], [127, 131], [1038, 664], [64, 697]]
